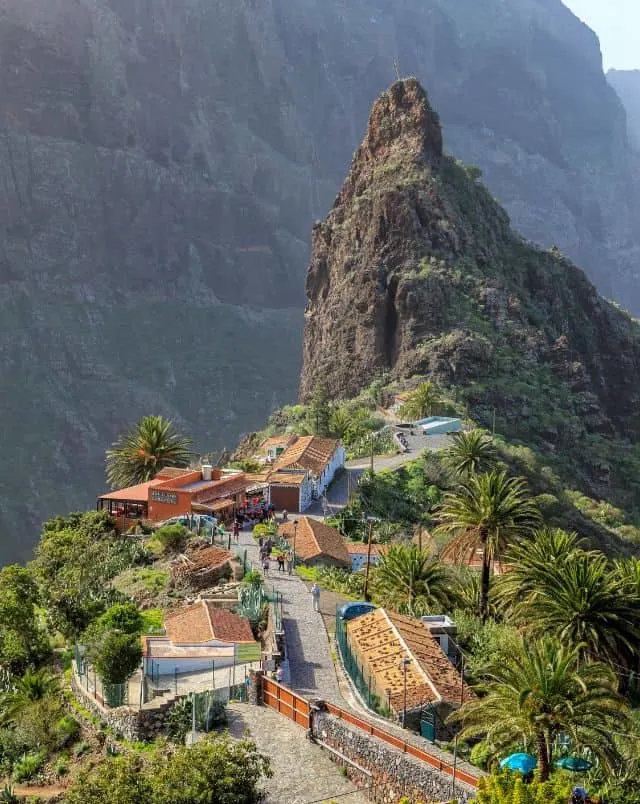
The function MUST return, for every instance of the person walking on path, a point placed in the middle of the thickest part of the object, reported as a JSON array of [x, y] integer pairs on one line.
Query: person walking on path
[[236, 530], [265, 566], [280, 560], [289, 559], [315, 597]]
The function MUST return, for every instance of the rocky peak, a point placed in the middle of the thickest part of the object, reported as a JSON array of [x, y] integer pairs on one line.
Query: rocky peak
[[416, 272], [403, 122]]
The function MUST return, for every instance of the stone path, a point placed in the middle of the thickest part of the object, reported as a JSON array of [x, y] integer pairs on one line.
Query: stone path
[[312, 670], [302, 772]]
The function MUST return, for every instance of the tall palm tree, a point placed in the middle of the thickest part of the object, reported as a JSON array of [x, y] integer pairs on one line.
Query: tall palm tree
[[420, 402], [33, 686], [583, 601], [410, 581], [541, 693], [340, 422], [488, 513], [140, 453], [472, 451], [529, 564]]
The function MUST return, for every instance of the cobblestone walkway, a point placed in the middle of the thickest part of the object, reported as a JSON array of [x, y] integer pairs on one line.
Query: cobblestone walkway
[[302, 772], [312, 669]]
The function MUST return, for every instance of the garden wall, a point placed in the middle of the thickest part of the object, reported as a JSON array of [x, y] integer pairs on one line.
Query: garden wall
[[388, 772]]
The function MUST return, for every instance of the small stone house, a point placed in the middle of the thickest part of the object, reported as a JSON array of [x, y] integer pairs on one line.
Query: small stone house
[[205, 568], [316, 544], [386, 645], [291, 490], [197, 637], [321, 457]]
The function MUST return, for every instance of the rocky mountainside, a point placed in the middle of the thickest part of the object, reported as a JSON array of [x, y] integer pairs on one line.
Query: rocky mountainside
[[417, 272], [162, 162], [627, 84]]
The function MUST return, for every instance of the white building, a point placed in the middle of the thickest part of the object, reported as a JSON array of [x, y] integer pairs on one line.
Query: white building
[[321, 457], [198, 637]]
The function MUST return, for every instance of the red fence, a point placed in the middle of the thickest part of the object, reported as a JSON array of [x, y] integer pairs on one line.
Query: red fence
[[297, 709], [286, 702]]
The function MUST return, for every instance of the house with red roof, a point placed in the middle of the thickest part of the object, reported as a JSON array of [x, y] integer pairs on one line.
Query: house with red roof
[[198, 637], [315, 543]]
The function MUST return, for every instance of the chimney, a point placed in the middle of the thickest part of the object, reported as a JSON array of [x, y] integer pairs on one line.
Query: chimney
[[206, 471]]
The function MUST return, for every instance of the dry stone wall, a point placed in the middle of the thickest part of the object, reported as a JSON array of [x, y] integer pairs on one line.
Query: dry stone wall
[[387, 773]]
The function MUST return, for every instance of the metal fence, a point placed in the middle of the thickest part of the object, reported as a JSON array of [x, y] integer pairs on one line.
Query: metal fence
[[357, 673], [226, 682], [109, 695]]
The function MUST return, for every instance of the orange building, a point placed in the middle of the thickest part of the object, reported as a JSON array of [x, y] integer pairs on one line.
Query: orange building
[[178, 492]]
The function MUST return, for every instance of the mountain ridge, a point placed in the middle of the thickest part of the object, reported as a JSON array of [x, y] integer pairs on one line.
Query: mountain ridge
[[416, 272]]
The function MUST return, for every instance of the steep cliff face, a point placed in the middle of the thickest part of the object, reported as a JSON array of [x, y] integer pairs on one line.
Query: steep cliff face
[[161, 165], [416, 271], [627, 85]]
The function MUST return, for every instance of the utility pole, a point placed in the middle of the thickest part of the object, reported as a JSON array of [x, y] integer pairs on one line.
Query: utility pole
[[295, 533], [372, 449], [405, 663], [366, 572]]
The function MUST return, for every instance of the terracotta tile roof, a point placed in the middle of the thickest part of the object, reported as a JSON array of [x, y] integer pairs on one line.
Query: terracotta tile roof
[[287, 478], [360, 549], [278, 441], [201, 622], [139, 493], [383, 639], [189, 625], [225, 487], [171, 472], [230, 627], [314, 539], [308, 452]]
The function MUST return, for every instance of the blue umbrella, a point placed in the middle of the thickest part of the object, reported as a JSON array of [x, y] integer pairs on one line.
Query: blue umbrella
[[575, 764], [524, 763]]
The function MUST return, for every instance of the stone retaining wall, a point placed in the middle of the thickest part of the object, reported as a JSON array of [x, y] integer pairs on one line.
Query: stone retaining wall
[[133, 724], [394, 774]]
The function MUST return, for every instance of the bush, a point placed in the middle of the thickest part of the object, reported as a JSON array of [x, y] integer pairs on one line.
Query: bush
[[253, 578], [28, 766], [67, 730], [61, 767], [172, 538], [81, 748], [116, 657]]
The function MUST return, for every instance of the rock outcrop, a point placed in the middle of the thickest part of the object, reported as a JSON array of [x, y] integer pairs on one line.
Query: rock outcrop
[[161, 164], [416, 272]]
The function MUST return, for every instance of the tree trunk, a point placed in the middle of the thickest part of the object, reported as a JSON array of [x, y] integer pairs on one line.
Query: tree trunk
[[484, 584], [543, 758]]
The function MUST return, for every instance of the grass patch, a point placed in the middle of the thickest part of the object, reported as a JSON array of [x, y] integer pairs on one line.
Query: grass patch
[[152, 620]]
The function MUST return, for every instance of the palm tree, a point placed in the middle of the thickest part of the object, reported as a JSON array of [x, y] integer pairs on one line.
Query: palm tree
[[529, 564], [421, 402], [340, 422], [488, 513], [473, 451], [583, 601], [410, 581], [33, 686], [139, 454], [542, 693]]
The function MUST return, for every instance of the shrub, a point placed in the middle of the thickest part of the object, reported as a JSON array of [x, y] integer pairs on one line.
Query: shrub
[[7, 796], [172, 537], [67, 730], [28, 766], [116, 657], [81, 748], [253, 578], [61, 767]]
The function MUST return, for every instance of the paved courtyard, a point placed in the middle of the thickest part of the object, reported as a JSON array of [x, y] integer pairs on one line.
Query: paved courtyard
[[311, 778]]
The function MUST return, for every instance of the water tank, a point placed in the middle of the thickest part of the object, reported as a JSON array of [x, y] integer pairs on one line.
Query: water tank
[[206, 471]]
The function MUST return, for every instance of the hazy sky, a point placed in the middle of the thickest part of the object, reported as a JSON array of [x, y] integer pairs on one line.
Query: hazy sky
[[617, 23]]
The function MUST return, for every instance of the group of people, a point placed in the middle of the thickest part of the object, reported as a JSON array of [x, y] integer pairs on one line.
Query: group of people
[[284, 560]]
